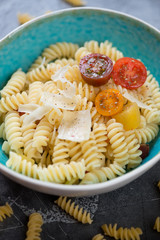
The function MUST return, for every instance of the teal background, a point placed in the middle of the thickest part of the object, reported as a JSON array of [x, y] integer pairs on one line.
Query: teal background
[[132, 37]]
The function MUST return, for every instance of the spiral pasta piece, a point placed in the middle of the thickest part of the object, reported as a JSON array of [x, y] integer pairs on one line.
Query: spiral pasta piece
[[83, 104], [60, 152], [152, 116], [55, 116], [154, 88], [2, 131], [42, 73], [14, 85], [85, 90], [122, 233], [63, 172], [103, 174], [50, 87], [112, 52], [117, 140], [34, 227], [110, 231], [24, 17], [92, 46], [6, 147], [14, 131], [74, 210], [158, 184], [157, 224], [46, 159], [80, 53], [28, 133], [60, 50], [100, 134], [64, 61], [90, 154], [40, 61], [35, 92], [147, 134], [5, 210], [74, 151], [104, 48], [41, 134], [98, 237], [73, 74], [22, 164], [96, 117], [11, 103], [76, 3], [133, 149]]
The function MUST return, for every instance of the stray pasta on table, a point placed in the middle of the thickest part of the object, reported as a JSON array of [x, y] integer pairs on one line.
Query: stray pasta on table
[[80, 115]]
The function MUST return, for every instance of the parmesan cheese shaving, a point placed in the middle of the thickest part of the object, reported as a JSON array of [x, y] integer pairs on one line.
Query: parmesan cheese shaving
[[58, 101], [70, 90], [43, 62], [60, 75], [75, 126], [133, 99], [27, 108], [36, 114]]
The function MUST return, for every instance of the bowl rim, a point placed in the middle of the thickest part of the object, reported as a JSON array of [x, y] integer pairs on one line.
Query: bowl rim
[[133, 174]]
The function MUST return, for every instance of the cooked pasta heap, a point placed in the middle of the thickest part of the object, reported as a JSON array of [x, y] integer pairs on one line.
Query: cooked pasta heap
[[52, 128]]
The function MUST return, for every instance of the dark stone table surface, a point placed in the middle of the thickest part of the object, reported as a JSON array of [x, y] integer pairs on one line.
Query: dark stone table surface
[[137, 204]]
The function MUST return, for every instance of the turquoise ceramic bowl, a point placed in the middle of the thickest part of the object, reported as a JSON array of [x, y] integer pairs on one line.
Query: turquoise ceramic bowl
[[130, 35]]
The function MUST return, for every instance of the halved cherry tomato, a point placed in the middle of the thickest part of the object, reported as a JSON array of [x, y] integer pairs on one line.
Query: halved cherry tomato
[[96, 69], [109, 102], [129, 73]]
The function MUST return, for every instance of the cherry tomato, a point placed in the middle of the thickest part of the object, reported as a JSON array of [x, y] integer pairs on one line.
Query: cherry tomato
[[109, 102], [129, 73], [145, 150], [96, 69]]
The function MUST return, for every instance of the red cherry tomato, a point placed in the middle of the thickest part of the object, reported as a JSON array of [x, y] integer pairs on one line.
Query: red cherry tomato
[[145, 150], [96, 69], [129, 73]]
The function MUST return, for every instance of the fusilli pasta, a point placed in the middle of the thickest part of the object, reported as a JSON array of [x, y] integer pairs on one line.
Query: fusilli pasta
[[34, 227], [122, 233], [5, 210], [15, 84], [74, 210], [33, 141], [157, 224]]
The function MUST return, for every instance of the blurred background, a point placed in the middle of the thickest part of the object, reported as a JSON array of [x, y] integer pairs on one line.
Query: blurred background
[[147, 10]]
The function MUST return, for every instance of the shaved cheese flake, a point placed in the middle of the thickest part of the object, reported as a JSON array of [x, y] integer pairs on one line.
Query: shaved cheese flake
[[43, 62], [60, 75], [75, 126], [133, 99], [36, 114], [58, 101], [27, 108], [69, 92]]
